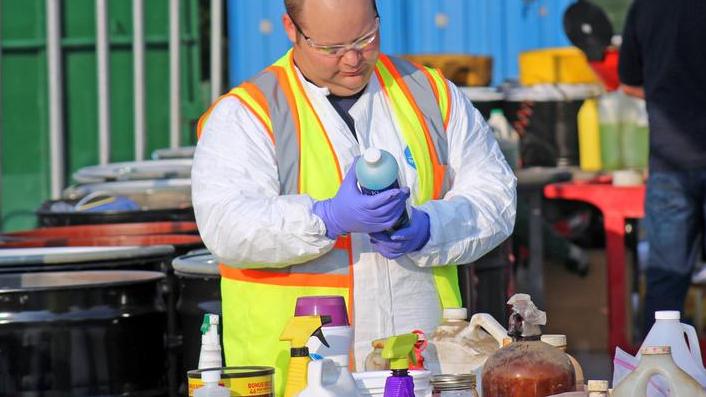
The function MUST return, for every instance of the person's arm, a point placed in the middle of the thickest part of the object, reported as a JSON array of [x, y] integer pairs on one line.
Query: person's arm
[[478, 212], [630, 65], [242, 218], [637, 92]]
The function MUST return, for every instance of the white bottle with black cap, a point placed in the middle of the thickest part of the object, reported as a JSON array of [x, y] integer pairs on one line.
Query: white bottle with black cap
[[669, 331], [210, 387]]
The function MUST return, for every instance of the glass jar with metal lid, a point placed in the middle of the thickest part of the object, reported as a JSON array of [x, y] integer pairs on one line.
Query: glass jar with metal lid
[[454, 385]]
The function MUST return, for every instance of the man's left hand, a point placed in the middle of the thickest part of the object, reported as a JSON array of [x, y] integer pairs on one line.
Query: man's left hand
[[405, 240]]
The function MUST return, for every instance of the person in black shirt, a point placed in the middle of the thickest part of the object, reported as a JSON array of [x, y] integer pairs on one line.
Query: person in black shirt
[[663, 59]]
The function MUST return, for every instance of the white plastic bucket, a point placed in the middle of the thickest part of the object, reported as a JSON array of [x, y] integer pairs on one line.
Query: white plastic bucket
[[373, 383]]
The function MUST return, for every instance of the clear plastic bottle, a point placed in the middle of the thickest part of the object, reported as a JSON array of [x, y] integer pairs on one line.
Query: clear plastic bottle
[[377, 171], [211, 388], [507, 137]]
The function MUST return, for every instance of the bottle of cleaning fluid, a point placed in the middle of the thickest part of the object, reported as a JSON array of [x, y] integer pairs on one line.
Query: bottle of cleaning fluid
[[657, 360], [327, 379], [507, 137], [377, 172], [399, 350], [210, 387], [210, 355], [669, 331]]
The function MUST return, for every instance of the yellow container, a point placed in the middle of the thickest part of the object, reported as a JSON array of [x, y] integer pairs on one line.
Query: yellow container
[[242, 381], [589, 136], [461, 69], [565, 65]]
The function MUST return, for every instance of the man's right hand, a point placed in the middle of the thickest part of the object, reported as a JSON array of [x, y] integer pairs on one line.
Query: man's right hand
[[351, 211]]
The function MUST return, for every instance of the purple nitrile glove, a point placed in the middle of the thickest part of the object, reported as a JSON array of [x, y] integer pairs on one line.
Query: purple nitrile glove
[[351, 211], [402, 241]]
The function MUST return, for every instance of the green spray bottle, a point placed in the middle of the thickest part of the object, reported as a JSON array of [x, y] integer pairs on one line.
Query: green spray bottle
[[400, 351]]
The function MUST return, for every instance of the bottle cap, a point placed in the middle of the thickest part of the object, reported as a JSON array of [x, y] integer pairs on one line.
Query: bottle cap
[[554, 340], [651, 350], [497, 111], [457, 313], [333, 306], [597, 385], [211, 376], [372, 155], [209, 320], [667, 315]]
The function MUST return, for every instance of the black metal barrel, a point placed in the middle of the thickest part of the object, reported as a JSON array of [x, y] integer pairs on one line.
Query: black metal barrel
[[199, 293], [82, 333]]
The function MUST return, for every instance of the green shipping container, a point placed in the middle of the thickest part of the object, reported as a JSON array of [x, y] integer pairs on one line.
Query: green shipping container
[[24, 111]]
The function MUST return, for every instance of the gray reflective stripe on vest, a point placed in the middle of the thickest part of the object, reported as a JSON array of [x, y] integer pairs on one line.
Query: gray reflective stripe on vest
[[286, 144], [287, 148], [423, 94]]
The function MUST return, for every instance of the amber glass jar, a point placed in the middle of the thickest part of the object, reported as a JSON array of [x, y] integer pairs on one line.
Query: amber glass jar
[[528, 368]]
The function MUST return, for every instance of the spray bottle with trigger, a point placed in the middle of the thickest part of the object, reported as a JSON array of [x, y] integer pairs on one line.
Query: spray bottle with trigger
[[399, 350], [210, 355], [297, 332]]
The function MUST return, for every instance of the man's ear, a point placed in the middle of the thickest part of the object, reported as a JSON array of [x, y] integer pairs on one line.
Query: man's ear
[[289, 28]]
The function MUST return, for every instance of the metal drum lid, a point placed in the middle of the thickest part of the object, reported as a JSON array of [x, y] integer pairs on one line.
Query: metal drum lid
[[135, 170], [58, 255], [553, 92], [199, 262], [149, 186], [483, 94], [17, 282], [184, 152]]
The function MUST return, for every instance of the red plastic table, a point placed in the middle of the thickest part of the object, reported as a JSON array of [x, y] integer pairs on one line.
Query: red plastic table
[[617, 203]]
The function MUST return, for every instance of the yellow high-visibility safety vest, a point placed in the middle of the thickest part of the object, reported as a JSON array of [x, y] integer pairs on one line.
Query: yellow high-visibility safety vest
[[307, 164]]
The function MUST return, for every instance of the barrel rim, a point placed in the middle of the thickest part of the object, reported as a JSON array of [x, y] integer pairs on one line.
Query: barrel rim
[[147, 277], [84, 254], [184, 264]]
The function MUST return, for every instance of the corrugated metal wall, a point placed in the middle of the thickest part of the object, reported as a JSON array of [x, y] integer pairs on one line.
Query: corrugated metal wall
[[501, 28]]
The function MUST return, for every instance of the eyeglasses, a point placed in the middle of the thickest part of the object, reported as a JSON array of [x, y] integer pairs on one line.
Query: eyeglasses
[[338, 50]]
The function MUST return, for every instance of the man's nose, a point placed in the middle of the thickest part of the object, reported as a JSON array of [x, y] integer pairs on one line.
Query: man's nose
[[352, 57]]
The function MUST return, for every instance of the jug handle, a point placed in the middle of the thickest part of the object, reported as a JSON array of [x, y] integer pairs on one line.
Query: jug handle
[[487, 323], [694, 347]]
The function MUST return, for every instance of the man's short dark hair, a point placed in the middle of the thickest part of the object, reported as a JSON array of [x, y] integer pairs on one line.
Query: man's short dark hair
[[294, 8]]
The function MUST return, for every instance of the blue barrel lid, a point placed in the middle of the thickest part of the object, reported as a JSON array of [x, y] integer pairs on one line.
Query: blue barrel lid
[[56, 255], [196, 262]]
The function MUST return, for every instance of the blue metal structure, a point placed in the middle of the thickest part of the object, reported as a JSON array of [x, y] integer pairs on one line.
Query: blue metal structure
[[500, 28]]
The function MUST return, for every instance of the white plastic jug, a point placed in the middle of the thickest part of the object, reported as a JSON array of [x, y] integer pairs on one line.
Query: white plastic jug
[[668, 331], [339, 340], [457, 347], [326, 379], [658, 361]]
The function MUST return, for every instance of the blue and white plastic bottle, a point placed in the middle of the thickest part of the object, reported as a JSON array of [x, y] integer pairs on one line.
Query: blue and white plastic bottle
[[377, 172]]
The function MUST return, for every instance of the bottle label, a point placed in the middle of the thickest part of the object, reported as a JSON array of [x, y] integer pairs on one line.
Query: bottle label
[[404, 218]]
